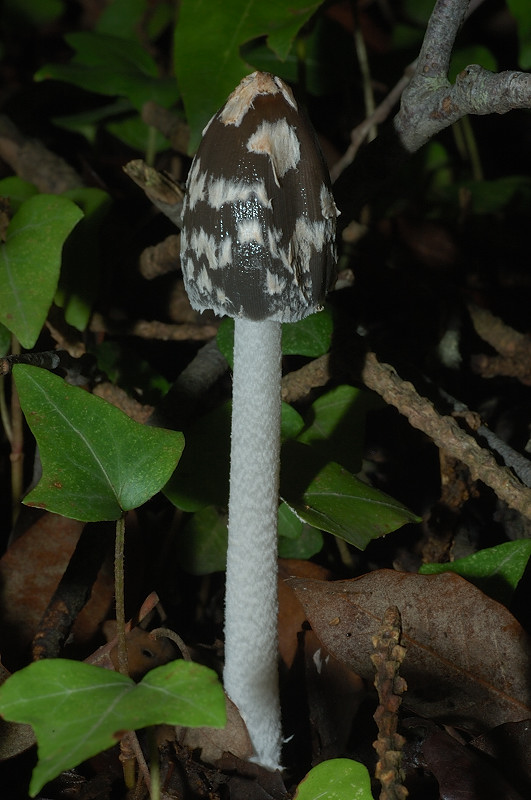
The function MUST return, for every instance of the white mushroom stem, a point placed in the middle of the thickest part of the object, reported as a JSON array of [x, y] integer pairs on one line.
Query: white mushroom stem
[[251, 605]]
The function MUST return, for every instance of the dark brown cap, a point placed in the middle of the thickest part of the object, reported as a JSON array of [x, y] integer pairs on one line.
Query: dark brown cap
[[258, 236]]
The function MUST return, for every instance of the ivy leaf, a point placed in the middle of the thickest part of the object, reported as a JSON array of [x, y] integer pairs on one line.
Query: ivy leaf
[[17, 190], [105, 463], [336, 779], [79, 279], [30, 261], [296, 539], [202, 475], [202, 542], [310, 336], [207, 47], [112, 65], [495, 570], [77, 709], [337, 425], [332, 499]]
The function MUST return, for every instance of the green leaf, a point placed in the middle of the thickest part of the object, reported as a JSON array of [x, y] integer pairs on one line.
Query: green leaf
[[96, 462], [490, 197], [202, 542], [33, 12], [332, 499], [336, 779], [134, 132], [87, 123], [80, 273], [17, 191], [337, 425], [521, 11], [77, 710], [207, 47], [125, 18], [296, 539], [30, 261], [495, 570], [202, 475], [309, 337], [125, 367], [111, 65]]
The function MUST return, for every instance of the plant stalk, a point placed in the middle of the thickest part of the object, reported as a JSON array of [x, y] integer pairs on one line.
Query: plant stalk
[[251, 603], [119, 598]]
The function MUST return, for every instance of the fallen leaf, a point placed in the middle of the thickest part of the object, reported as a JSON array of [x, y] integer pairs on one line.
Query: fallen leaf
[[29, 573], [290, 614], [468, 660], [510, 744], [214, 742], [461, 773]]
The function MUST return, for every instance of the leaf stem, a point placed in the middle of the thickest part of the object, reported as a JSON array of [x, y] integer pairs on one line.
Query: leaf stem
[[123, 665], [17, 443]]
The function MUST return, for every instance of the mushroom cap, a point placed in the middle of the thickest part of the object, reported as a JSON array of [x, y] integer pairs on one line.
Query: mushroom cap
[[258, 235]]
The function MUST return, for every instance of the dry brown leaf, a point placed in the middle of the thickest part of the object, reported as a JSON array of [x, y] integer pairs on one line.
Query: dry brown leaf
[[29, 573], [468, 660], [213, 742]]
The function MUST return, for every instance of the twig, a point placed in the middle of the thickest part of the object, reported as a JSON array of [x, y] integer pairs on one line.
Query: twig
[[123, 665], [161, 258], [154, 330], [163, 191], [17, 443], [444, 431], [169, 124], [390, 686], [379, 115], [514, 348], [188, 392], [72, 592], [431, 103], [33, 162]]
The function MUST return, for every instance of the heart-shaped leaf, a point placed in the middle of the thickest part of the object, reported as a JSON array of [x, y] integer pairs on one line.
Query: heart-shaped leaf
[[467, 660], [96, 462], [77, 710], [30, 261]]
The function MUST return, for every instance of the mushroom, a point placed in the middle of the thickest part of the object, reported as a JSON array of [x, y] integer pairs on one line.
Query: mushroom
[[258, 245]]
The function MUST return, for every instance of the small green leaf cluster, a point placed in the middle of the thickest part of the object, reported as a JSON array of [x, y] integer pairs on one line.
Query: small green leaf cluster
[[77, 709]]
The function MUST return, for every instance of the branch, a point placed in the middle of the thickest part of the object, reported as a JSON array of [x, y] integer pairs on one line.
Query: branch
[[33, 162], [430, 103], [444, 431]]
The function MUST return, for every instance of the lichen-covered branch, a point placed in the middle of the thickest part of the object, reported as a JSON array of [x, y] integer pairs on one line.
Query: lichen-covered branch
[[430, 102]]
